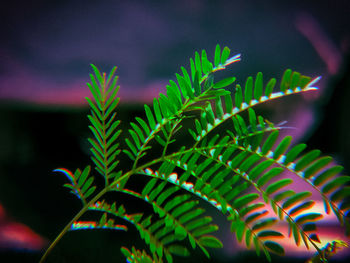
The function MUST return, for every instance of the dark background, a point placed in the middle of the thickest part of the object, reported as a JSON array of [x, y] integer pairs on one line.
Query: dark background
[[45, 51]]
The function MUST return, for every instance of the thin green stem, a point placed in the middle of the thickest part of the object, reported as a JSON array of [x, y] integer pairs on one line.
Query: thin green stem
[[170, 135], [158, 129], [103, 103], [104, 136], [68, 226]]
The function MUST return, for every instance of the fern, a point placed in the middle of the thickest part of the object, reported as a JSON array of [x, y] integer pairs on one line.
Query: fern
[[240, 171]]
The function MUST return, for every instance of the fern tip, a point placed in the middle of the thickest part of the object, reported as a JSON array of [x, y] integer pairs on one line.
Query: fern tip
[[309, 86], [233, 59]]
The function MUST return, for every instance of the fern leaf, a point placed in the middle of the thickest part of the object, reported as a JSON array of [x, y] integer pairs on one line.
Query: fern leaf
[[286, 80], [336, 183], [104, 126], [295, 198], [217, 55], [282, 147], [269, 87], [306, 159], [206, 65], [198, 63], [210, 242], [80, 182], [238, 96], [225, 55], [266, 177], [293, 153], [302, 207], [269, 142], [150, 117], [274, 247], [258, 86], [272, 188], [310, 217], [174, 96], [248, 90], [224, 83], [244, 200]]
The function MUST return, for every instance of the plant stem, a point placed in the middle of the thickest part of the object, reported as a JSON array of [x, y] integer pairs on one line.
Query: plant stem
[[67, 227]]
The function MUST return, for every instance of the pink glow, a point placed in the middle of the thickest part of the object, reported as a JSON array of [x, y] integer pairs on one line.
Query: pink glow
[[26, 85], [34, 89], [15, 235], [19, 236], [325, 48]]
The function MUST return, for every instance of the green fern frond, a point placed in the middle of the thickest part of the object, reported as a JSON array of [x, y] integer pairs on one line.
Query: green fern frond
[[239, 165], [168, 111], [240, 171], [221, 202], [163, 235], [80, 183], [209, 122], [104, 126], [292, 82], [179, 214]]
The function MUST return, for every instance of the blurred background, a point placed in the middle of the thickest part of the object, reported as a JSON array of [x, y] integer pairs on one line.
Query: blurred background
[[46, 48]]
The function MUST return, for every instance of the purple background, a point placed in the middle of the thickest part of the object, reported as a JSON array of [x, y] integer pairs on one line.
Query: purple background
[[46, 46], [45, 51]]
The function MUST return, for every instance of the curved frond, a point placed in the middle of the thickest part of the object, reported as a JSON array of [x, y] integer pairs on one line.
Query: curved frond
[[238, 208], [179, 218], [163, 118], [80, 182], [248, 165]]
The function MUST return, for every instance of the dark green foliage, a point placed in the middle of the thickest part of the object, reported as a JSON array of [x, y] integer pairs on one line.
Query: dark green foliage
[[241, 171]]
